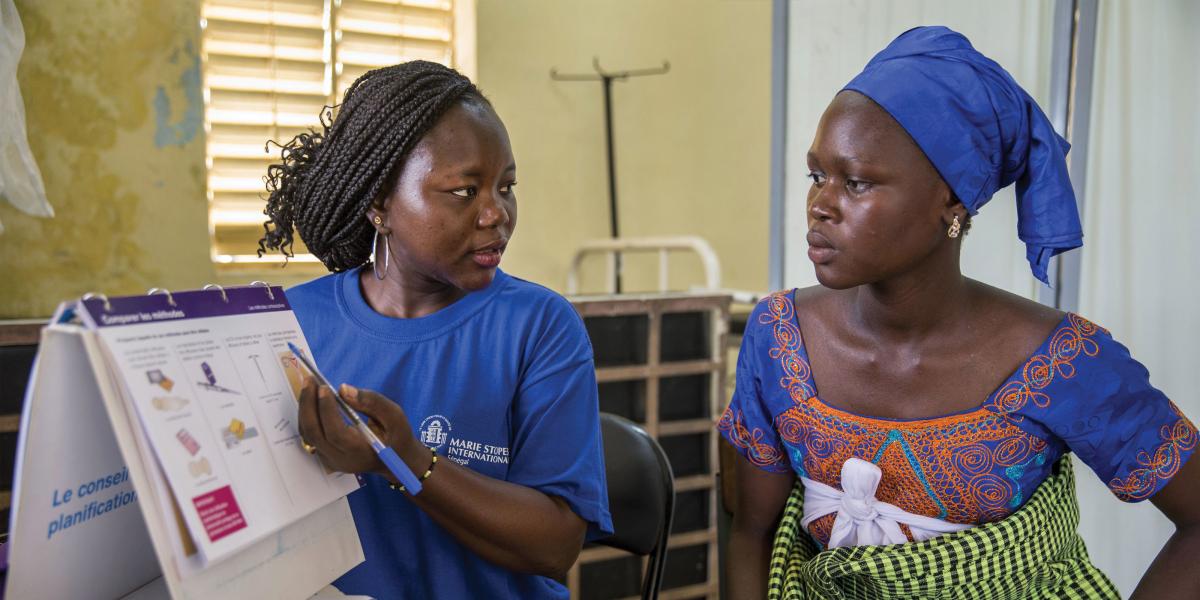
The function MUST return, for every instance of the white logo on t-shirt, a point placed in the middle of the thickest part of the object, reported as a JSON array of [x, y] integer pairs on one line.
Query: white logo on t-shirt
[[435, 429]]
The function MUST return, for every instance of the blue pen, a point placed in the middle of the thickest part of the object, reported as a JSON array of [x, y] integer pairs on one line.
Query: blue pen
[[386, 454]]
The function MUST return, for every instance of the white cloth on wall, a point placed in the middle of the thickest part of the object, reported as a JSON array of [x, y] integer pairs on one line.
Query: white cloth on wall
[[20, 180], [1141, 250], [830, 42]]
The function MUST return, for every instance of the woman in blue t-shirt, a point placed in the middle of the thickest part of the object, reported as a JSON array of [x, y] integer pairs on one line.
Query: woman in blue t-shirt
[[483, 383]]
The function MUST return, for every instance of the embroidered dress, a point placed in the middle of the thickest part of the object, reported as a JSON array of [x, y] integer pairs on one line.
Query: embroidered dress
[[1079, 392], [1036, 553]]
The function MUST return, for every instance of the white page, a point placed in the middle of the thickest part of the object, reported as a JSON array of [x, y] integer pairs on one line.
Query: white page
[[293, 563], [211, 393]]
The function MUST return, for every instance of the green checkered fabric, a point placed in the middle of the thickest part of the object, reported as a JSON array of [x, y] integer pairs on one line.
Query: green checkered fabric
[[1034, 553]]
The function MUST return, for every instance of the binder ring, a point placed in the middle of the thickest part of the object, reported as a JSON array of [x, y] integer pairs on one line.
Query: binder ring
[[270, 294], [219, 288], [170, 298], [107, 304]]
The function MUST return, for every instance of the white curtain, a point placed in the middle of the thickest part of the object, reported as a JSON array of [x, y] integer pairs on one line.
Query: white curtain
[[1141, 255], [830, 42]]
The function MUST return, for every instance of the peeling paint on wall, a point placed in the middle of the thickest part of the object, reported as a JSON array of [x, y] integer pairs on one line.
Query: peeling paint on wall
[[131, 212], [182, 132]]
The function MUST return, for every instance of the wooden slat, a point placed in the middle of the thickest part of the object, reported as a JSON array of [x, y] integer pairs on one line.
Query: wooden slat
[[693, 538], [671, 369], [653, 353], [590, 555], [679, 540], [694, 482], [691, 591], [685, 427], [24, 332], [631, 304], [10, 423]]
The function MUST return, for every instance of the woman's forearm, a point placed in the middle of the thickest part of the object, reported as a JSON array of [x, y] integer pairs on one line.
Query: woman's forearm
[[749, 558], [516, 527], [1175, 572]]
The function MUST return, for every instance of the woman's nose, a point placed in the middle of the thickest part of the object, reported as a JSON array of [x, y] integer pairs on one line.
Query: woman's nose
[[493, 214], [819, 207]]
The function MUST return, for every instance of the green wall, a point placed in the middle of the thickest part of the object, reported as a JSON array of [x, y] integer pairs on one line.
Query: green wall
[[115, 119]]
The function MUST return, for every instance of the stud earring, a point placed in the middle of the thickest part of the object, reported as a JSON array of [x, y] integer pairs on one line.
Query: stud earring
[[377, 220], [955, 228]]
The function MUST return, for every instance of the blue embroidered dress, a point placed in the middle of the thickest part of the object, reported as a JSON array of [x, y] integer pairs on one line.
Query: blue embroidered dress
[[1079, 392]]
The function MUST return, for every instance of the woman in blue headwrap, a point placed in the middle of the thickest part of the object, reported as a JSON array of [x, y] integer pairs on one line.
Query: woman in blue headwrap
[[911, 425]]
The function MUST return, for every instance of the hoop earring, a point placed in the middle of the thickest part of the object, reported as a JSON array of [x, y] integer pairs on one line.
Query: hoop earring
[[955, 228], [387, 256]]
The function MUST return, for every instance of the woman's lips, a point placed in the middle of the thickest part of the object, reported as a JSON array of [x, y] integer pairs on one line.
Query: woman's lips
[[488, 256], [488, 259], [819, 249]]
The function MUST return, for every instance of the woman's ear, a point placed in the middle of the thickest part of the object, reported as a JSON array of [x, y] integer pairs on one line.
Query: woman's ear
[[378, 219], [952, 206]]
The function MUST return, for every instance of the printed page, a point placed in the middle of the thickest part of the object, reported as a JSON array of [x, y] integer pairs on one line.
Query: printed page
[[215, 389]]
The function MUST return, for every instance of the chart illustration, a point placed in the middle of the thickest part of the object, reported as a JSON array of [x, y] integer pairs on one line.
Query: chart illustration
[[236, 432], [168, 403], [210, 381], [199, 467], [261, 376], [157, 377], [294, 372], [189, 442]]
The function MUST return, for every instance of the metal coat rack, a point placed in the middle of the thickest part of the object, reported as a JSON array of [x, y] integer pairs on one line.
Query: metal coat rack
[[607, 78]]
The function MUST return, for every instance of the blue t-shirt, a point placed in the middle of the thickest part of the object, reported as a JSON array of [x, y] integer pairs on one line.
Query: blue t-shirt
[[500, 381]]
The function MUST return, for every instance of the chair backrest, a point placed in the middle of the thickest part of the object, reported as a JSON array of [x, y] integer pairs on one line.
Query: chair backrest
[[641, 495]]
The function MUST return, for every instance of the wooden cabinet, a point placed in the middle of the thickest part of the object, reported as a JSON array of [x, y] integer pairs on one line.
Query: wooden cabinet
[[661, 362]]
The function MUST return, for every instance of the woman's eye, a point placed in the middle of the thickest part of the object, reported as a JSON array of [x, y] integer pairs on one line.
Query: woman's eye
[[857, 186], [467, 192], [817, 178], [507, 189]]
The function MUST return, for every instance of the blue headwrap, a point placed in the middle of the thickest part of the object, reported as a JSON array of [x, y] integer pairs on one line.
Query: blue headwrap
[[981, 131]]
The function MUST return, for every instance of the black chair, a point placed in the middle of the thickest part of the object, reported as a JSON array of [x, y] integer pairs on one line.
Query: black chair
[[641, 496]]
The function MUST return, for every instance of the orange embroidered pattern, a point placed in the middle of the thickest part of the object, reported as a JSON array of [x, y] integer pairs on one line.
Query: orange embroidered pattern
[[758, 453], [971, 467], [963, 468], [1141, 482], [1066, 345]]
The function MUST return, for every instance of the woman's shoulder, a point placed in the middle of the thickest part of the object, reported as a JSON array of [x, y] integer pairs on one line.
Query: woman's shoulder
[[1026, 322], [542, 315], [313, 293], [534, 299], [549, 328], [785, 304]]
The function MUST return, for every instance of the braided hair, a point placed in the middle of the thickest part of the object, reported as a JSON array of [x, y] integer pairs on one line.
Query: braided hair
[[328, 179]]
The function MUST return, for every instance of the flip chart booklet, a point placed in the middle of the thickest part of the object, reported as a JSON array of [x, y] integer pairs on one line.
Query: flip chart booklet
[[159, 439]]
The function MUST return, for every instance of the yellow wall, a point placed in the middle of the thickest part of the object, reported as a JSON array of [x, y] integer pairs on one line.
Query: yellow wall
[[693, 146], [115, 119], [114, 114]]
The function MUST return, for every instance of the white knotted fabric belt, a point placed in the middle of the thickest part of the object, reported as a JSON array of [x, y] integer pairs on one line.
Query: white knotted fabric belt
[[862, 520]]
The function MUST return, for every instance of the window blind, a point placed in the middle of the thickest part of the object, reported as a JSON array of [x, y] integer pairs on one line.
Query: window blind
[[270, 66]]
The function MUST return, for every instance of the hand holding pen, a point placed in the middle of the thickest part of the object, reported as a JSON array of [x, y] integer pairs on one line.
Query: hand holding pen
[[383, 444]]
